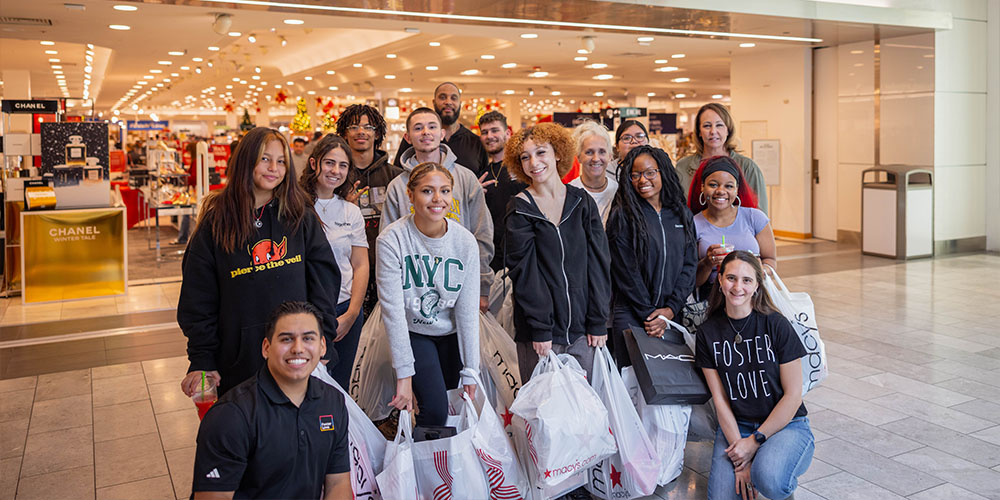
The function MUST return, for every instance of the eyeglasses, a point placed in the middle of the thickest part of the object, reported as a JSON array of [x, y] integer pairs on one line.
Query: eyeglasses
[[366, 128], [640, 137], [648, 174]]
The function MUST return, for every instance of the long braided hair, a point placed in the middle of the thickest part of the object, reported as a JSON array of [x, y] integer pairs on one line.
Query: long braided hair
[[628, 202]]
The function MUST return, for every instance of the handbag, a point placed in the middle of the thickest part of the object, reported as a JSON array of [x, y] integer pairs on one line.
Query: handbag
[[664, 368], [693, 314], [798, 308]]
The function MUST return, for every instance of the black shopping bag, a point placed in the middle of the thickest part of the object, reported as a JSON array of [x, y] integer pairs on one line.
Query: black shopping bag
[[665, 369]]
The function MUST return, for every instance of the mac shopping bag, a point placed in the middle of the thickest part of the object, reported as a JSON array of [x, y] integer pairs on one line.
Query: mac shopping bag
[[665, 368]]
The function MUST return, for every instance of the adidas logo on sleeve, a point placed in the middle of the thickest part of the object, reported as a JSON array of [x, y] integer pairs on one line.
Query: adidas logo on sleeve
[[214, 474]]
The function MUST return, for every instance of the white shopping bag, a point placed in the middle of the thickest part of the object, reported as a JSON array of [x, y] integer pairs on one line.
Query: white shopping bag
[[373, 379], [504, 475], [566, 424], [799, 310], [498, 356], [398, 481], [633, 471], [365, 442], [449, 468], [666, 426]]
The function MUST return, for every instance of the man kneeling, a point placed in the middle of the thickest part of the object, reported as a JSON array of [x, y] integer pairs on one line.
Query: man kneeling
[[280, 434]]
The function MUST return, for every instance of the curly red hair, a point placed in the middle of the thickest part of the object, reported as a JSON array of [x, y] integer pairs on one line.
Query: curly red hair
[[543, 133], [746, 195]]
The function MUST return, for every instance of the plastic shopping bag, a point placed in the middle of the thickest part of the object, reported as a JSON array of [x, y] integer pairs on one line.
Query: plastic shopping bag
[[666, 426], [398, 481], [566, 424], [799, 310], [449, 467], [498, 355], [633, 471], [365, 442], [504, 474], [373, 380]]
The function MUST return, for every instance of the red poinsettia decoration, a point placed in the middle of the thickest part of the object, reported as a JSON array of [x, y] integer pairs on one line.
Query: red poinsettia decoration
[[281, 97], [228, 108], [328, 106]]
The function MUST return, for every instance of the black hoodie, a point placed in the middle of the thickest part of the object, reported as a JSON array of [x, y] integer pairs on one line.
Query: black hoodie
[[376, 178], [666, 277], [561, 275], [227, 298]]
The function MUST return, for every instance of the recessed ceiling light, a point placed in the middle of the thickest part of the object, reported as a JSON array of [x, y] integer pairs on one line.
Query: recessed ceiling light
[[357, 65], [185, 68], [56, 66], [311, 92], [666, 69], [538, 74], [645, 39], [390, 56], [331, 72], [148, 77], [488, 56], [334, 87], [508, 65], [682, 79], [119, 27], [604, 76], [596, 66], [47, 42], [508, 91], [650, 94], [661, 61], [598, 94], [57, 72], [556, 92], [390, 77], [431, 68], [582, 51], [197, 59], [164, 63], [470, 72], [308, 78], [54, 60], [579, 58], [176, 53], [716, 96], [213, 48], [294, 21], [747, 45], [529, 35], [156, 71], [434, 44], [289, 83], [235, 34], [680, 96], [406, 89], [236, 78]]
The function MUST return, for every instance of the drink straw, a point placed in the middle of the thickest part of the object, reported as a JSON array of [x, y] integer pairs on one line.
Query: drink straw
[[203, 381]]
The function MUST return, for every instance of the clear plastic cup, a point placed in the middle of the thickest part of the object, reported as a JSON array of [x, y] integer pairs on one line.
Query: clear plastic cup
[[205, 397]]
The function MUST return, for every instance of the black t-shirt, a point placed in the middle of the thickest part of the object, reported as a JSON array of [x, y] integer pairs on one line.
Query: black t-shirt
[[749, 370], [256, 442], [467, 148], [497, 197]]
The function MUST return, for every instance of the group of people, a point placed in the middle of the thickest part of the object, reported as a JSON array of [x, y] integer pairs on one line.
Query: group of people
[[631, 242]]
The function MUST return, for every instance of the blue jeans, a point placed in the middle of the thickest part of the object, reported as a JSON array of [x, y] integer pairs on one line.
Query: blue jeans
[[346, 349], [776, 467]]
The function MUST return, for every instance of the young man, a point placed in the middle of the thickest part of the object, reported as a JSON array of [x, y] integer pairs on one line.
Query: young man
[[464, 143], [363, 128], [500, 186], [423, 129], [279, 434], [299, 157]]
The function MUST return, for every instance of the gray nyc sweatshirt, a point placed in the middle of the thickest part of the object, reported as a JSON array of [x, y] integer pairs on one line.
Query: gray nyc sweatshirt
[[469, 207], [428, 286]]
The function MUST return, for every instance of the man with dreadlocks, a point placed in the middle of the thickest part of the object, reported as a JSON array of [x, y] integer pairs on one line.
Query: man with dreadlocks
[[363, 128]]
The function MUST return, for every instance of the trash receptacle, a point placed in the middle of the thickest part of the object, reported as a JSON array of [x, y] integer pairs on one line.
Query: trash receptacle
[[897, 212]]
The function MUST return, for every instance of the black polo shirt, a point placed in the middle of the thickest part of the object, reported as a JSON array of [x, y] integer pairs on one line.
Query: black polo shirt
[[256, 442]]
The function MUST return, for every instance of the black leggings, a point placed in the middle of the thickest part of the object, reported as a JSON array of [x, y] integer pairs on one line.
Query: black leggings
[[437, 363]]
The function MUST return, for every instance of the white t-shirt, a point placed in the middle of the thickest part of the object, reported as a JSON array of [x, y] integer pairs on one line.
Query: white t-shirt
[[603, 198], [345, 229]]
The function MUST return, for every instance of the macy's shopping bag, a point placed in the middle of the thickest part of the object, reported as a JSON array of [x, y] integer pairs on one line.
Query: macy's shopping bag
[[398, 481], [666, 426], [506, 478], [366, 445], [373, 380], [665, 368], [449, 467], [633, 471], [798, 308], [566, 424]]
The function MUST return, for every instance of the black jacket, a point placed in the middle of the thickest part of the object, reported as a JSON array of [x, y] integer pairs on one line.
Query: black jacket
[[466, 146], [227, 298], [498, 196], [561, 275], [666, 276], [376, 178]]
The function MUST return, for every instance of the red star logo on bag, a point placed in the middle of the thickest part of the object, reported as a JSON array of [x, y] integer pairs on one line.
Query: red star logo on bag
[[507, 416], [548, 473], [616, 477]]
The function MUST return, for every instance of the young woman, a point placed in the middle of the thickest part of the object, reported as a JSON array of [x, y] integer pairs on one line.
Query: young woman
[[726, 217], [653, 248], [428, 284], [557, 253], [258, 244], [630, 134], [751, 358], [716, 136], [325, 180], [593, 150]]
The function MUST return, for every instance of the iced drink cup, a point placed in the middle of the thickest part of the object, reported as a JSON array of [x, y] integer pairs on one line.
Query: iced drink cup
[[205, 395]]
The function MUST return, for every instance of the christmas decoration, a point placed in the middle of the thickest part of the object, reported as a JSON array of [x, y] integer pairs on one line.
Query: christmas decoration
[[301, 124], [329, 122], [228, 108], [246, 125], [281, 97]]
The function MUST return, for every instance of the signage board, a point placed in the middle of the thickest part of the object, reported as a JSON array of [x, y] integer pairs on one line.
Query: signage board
[[30, 106], [133, 125]]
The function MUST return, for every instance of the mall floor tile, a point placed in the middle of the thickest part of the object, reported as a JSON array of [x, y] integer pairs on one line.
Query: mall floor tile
[[911, 408]]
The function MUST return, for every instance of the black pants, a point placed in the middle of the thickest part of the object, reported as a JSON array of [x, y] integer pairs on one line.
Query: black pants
[[437, 363], [623, 320]]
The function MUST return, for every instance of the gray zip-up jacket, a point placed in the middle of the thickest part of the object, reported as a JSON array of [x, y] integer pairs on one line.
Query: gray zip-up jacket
[[468, 208]]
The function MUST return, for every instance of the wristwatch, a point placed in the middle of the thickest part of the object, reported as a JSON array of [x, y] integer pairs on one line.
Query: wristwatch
[[759, 437]]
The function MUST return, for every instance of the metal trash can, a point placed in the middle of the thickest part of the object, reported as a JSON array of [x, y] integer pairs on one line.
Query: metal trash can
[[897, 212]]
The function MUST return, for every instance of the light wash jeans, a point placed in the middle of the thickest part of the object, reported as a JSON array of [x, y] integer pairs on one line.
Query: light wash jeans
[[776, 467]]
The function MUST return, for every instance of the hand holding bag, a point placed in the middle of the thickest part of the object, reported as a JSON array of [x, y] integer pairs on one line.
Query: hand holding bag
[[798, 308], [633, 471], [449, 468], [399, 479]]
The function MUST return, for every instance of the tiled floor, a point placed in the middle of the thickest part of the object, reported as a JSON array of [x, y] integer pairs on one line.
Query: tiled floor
[[911, 408], [139, 298]]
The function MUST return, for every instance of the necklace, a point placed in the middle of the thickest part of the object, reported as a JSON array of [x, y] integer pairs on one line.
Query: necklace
[[595, 189], [496, 175], [256, 217], [739, 337], [324, 205]]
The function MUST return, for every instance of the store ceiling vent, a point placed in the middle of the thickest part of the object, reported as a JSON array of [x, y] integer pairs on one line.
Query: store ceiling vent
[[633, 54], [25, 21]]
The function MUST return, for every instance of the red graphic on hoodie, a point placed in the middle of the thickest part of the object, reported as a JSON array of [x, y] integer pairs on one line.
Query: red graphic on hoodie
[[267, 251]]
